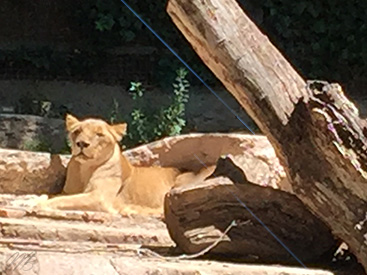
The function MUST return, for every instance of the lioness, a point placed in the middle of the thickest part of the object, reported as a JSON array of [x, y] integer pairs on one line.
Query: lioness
[[100, 178]]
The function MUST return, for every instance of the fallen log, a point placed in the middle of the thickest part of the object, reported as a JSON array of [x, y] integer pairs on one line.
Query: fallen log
[[316, 132], [197, 215]]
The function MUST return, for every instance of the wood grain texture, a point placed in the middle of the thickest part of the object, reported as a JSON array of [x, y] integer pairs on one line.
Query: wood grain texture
[[275, 96], [197, 215]]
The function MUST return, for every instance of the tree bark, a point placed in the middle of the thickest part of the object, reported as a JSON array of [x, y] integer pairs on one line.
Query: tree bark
[[215, 202], [316, 132]]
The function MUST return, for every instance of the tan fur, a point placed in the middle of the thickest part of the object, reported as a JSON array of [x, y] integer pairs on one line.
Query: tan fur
[[100, 178]]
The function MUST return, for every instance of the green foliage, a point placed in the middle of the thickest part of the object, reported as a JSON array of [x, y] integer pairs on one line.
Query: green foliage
[[33, 103], [171, 118], [114, 115], [34, 107], [147, 122], [41, 144], [76, 63], [104, 22], [112, 24], [67, 147], [324, 39], [37, 145]]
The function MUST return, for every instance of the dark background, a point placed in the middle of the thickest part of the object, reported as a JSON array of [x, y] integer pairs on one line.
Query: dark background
[[102, 41]]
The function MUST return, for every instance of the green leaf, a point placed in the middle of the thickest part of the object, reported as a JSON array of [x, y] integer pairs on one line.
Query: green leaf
[[319, 26], [314, 11], [316, 46], [273, 12], [300, 7], [122, 21], [138, 25], [105, 22], [129, 36]]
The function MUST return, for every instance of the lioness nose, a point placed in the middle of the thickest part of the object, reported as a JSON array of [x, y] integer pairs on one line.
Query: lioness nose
[[82, 144]]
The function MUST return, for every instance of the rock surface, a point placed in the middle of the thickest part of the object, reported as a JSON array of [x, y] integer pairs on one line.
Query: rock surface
[[45, 263], [75, 242], [254, 154], [23, 172], [28, 132], [54, 243]]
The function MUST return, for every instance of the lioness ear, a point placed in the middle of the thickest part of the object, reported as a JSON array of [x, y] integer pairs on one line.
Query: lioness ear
[[119, 130], [70, 121]]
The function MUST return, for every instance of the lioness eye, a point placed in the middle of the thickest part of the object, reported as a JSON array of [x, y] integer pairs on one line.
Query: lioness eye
[[100, 135], [76, 132]]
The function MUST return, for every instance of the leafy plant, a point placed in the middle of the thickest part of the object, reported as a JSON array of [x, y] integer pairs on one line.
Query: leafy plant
[[104, 22], [41, 144], [114, 115], [148, 123], [172, 118], [67, 147], [31, 104], [37, 145], [113, 25], [323, 39]]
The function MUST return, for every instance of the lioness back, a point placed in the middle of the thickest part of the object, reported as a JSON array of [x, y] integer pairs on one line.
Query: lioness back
[[147, 186]]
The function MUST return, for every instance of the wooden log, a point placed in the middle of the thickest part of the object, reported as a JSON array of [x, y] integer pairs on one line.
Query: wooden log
[[198, 214], [316, 132]]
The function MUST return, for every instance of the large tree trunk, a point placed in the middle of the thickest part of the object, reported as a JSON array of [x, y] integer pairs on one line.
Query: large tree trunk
[[317, 134]]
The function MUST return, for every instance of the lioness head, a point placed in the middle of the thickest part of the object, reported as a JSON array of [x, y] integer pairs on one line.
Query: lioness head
[[93, 140]]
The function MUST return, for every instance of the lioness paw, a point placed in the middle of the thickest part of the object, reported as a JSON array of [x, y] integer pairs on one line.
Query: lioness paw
[[40, 203], [38, 200]]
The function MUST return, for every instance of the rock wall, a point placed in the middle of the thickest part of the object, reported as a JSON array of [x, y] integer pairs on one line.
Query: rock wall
[[29, 132], [24, 172], [205, 113]]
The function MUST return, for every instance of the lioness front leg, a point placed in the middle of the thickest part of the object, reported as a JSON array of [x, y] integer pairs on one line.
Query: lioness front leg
[[84, 202]]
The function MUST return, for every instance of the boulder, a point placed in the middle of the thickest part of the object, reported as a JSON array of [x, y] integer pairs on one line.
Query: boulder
[[29, 132], [192, 152], [77, 242], [23, 172]]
